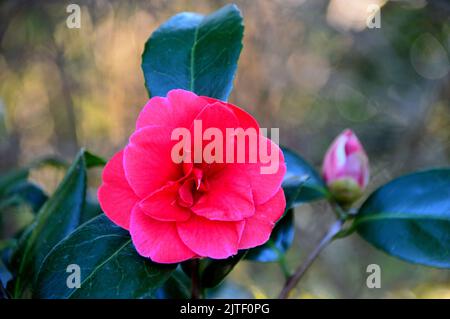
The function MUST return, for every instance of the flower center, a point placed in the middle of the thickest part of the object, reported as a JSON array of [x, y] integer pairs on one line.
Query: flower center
[[192, 188]]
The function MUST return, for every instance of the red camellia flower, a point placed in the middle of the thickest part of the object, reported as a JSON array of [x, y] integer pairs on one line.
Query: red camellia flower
[[176, 210]]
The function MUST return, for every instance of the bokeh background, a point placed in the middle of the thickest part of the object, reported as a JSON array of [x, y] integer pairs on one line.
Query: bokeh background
[[309, 67]]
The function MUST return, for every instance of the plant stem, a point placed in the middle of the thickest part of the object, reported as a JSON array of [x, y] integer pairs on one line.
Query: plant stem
[[281, 259], [196, 285], [284, 267], [301, 270]]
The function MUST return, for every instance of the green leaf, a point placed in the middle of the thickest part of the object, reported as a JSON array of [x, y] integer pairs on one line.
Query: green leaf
[[280, 240], [3, 292], [12, 178], [5, 275], [26, 192], [53, 161], [59, 216], [213, 271], [109, 265], [93, 160], [178, 286], [21, 174], [409, 218], [301, 183], [7, 247], [7, 243], [194, 52], [91, 209]]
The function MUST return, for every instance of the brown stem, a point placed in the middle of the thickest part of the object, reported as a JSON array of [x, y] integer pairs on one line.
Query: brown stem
[[301, 270]]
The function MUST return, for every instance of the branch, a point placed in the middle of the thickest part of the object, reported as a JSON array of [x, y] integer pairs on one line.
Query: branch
[[301, 270]]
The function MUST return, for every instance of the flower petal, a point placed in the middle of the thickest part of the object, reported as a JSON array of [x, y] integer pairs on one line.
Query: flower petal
[[244, 118], [229, 196], [162, 204], [157, 240], [266, 176], [335, 158], [147, 160], [258, 228], [115, 194], [210, 238], [214, 118], [356, 167], [178, 109]]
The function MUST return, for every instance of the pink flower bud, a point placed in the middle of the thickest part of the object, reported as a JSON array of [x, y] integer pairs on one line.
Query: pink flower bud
[[346, 168]]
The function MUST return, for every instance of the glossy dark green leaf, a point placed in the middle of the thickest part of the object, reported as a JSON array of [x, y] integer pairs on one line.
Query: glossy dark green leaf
[[213, 272], [409, 218], [90, 210], [15, 189], [15, 176], [109, 265], [6, 244], [28, 193], [3, 292], [52, 161], [93, 160], [12, 255], [12, 178], [280, 240], [178, 286], [194, 52], [7, 248], [301, 183], [59, 216], [5, 275]]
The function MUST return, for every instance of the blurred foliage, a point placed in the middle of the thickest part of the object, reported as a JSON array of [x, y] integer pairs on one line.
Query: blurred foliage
[[309, 67]]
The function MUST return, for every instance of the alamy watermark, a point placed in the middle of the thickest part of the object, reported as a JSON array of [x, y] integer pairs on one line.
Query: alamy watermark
[[73, 281], [373, 20], [241, 146], [374, 278], [73, 21]]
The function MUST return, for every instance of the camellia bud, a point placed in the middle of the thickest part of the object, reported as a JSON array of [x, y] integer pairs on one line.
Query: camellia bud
[[346, 168]]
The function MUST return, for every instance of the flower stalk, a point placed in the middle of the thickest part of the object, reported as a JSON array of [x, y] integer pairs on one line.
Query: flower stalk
[[301, 270]]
